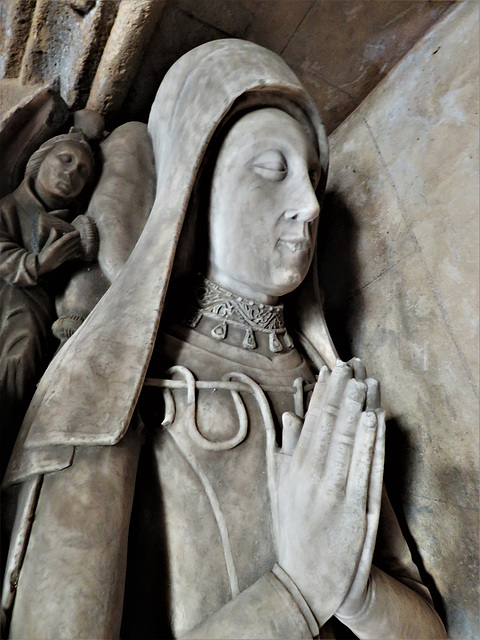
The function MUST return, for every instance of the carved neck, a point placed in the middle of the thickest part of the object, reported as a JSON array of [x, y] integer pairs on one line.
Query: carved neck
[[49, 201], [226, 311], [240, 288]]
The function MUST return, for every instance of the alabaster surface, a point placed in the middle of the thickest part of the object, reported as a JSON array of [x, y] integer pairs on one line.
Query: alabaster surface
[[196, 461]]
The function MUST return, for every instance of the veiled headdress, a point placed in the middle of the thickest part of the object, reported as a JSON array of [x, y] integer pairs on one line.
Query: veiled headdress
[[89, 392]]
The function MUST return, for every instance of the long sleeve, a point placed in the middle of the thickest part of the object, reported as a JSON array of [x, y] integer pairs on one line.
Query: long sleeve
[[393, 610], [18, 266], [267, 609], [398, 605]]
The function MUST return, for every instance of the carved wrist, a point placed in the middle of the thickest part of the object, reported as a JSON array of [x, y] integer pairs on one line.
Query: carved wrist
[[300, 601], [357, 609], [40, 269]]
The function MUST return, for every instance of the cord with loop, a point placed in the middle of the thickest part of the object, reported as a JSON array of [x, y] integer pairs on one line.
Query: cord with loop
[[191, 417]]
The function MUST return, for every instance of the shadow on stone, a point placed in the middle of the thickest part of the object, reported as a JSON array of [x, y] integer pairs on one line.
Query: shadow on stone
[[338, 269], [398, 463]]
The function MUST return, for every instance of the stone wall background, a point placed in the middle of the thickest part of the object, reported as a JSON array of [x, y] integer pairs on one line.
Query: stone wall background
[[340, 49], [400, 270]]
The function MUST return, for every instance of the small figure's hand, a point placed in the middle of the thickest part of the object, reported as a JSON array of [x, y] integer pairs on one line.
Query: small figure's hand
[[56, 251], [323, 495]]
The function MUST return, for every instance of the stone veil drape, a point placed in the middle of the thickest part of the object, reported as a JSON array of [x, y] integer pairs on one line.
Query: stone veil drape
[[89, 392]]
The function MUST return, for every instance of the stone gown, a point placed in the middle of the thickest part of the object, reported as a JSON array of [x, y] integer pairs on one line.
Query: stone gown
[[198, 549]]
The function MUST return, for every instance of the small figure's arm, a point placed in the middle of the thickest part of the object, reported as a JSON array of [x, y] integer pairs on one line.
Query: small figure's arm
[[17, 265], [24, 268]]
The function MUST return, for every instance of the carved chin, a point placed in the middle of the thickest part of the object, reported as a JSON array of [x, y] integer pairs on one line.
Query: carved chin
[[295, 267], [63, 189], [289, 279]]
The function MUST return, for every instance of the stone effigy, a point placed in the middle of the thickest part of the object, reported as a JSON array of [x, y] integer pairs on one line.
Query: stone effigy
[[181, 471]]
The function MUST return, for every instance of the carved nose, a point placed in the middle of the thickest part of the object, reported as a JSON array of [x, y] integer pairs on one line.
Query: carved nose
[[308, 208], [304, 215], [71, 168]]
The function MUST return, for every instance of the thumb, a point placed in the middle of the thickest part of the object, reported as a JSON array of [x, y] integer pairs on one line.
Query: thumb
[[52, 236], [292, 426]]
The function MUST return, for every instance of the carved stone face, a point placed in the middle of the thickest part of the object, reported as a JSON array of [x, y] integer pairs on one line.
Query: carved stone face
[[263, 208], [63, 173]]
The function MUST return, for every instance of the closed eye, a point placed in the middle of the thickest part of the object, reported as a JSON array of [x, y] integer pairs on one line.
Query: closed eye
[[66, 158], [271, 165]]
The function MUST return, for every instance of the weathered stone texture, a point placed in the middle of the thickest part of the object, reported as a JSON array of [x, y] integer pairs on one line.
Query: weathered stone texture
[[16, 17], [60, 45], [401, 224], [126, 44]]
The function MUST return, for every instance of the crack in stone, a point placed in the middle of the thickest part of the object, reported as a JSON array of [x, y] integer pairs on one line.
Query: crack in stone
[[192, 16], [298, 26], [378, 276], [446, 502]]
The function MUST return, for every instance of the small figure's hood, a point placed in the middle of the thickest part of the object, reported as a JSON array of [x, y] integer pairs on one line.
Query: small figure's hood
[[89, 392]]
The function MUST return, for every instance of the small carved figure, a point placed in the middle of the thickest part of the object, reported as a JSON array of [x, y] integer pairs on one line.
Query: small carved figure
[[125, 186], [36, 238]]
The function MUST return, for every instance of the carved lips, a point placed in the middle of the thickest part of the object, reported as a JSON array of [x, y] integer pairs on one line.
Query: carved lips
[[295, 246]]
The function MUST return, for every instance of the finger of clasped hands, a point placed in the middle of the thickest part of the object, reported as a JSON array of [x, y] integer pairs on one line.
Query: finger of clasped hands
[[329, 496], [58, 250]]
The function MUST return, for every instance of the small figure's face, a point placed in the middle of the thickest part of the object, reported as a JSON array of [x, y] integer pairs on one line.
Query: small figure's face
[[263, 208], [63, 173]]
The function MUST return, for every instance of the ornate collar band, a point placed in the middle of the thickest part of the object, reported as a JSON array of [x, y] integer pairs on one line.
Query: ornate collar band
[[215, 302]]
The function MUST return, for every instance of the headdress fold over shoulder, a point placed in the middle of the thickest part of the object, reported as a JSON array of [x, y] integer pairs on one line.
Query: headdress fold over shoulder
[[89, 392]]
